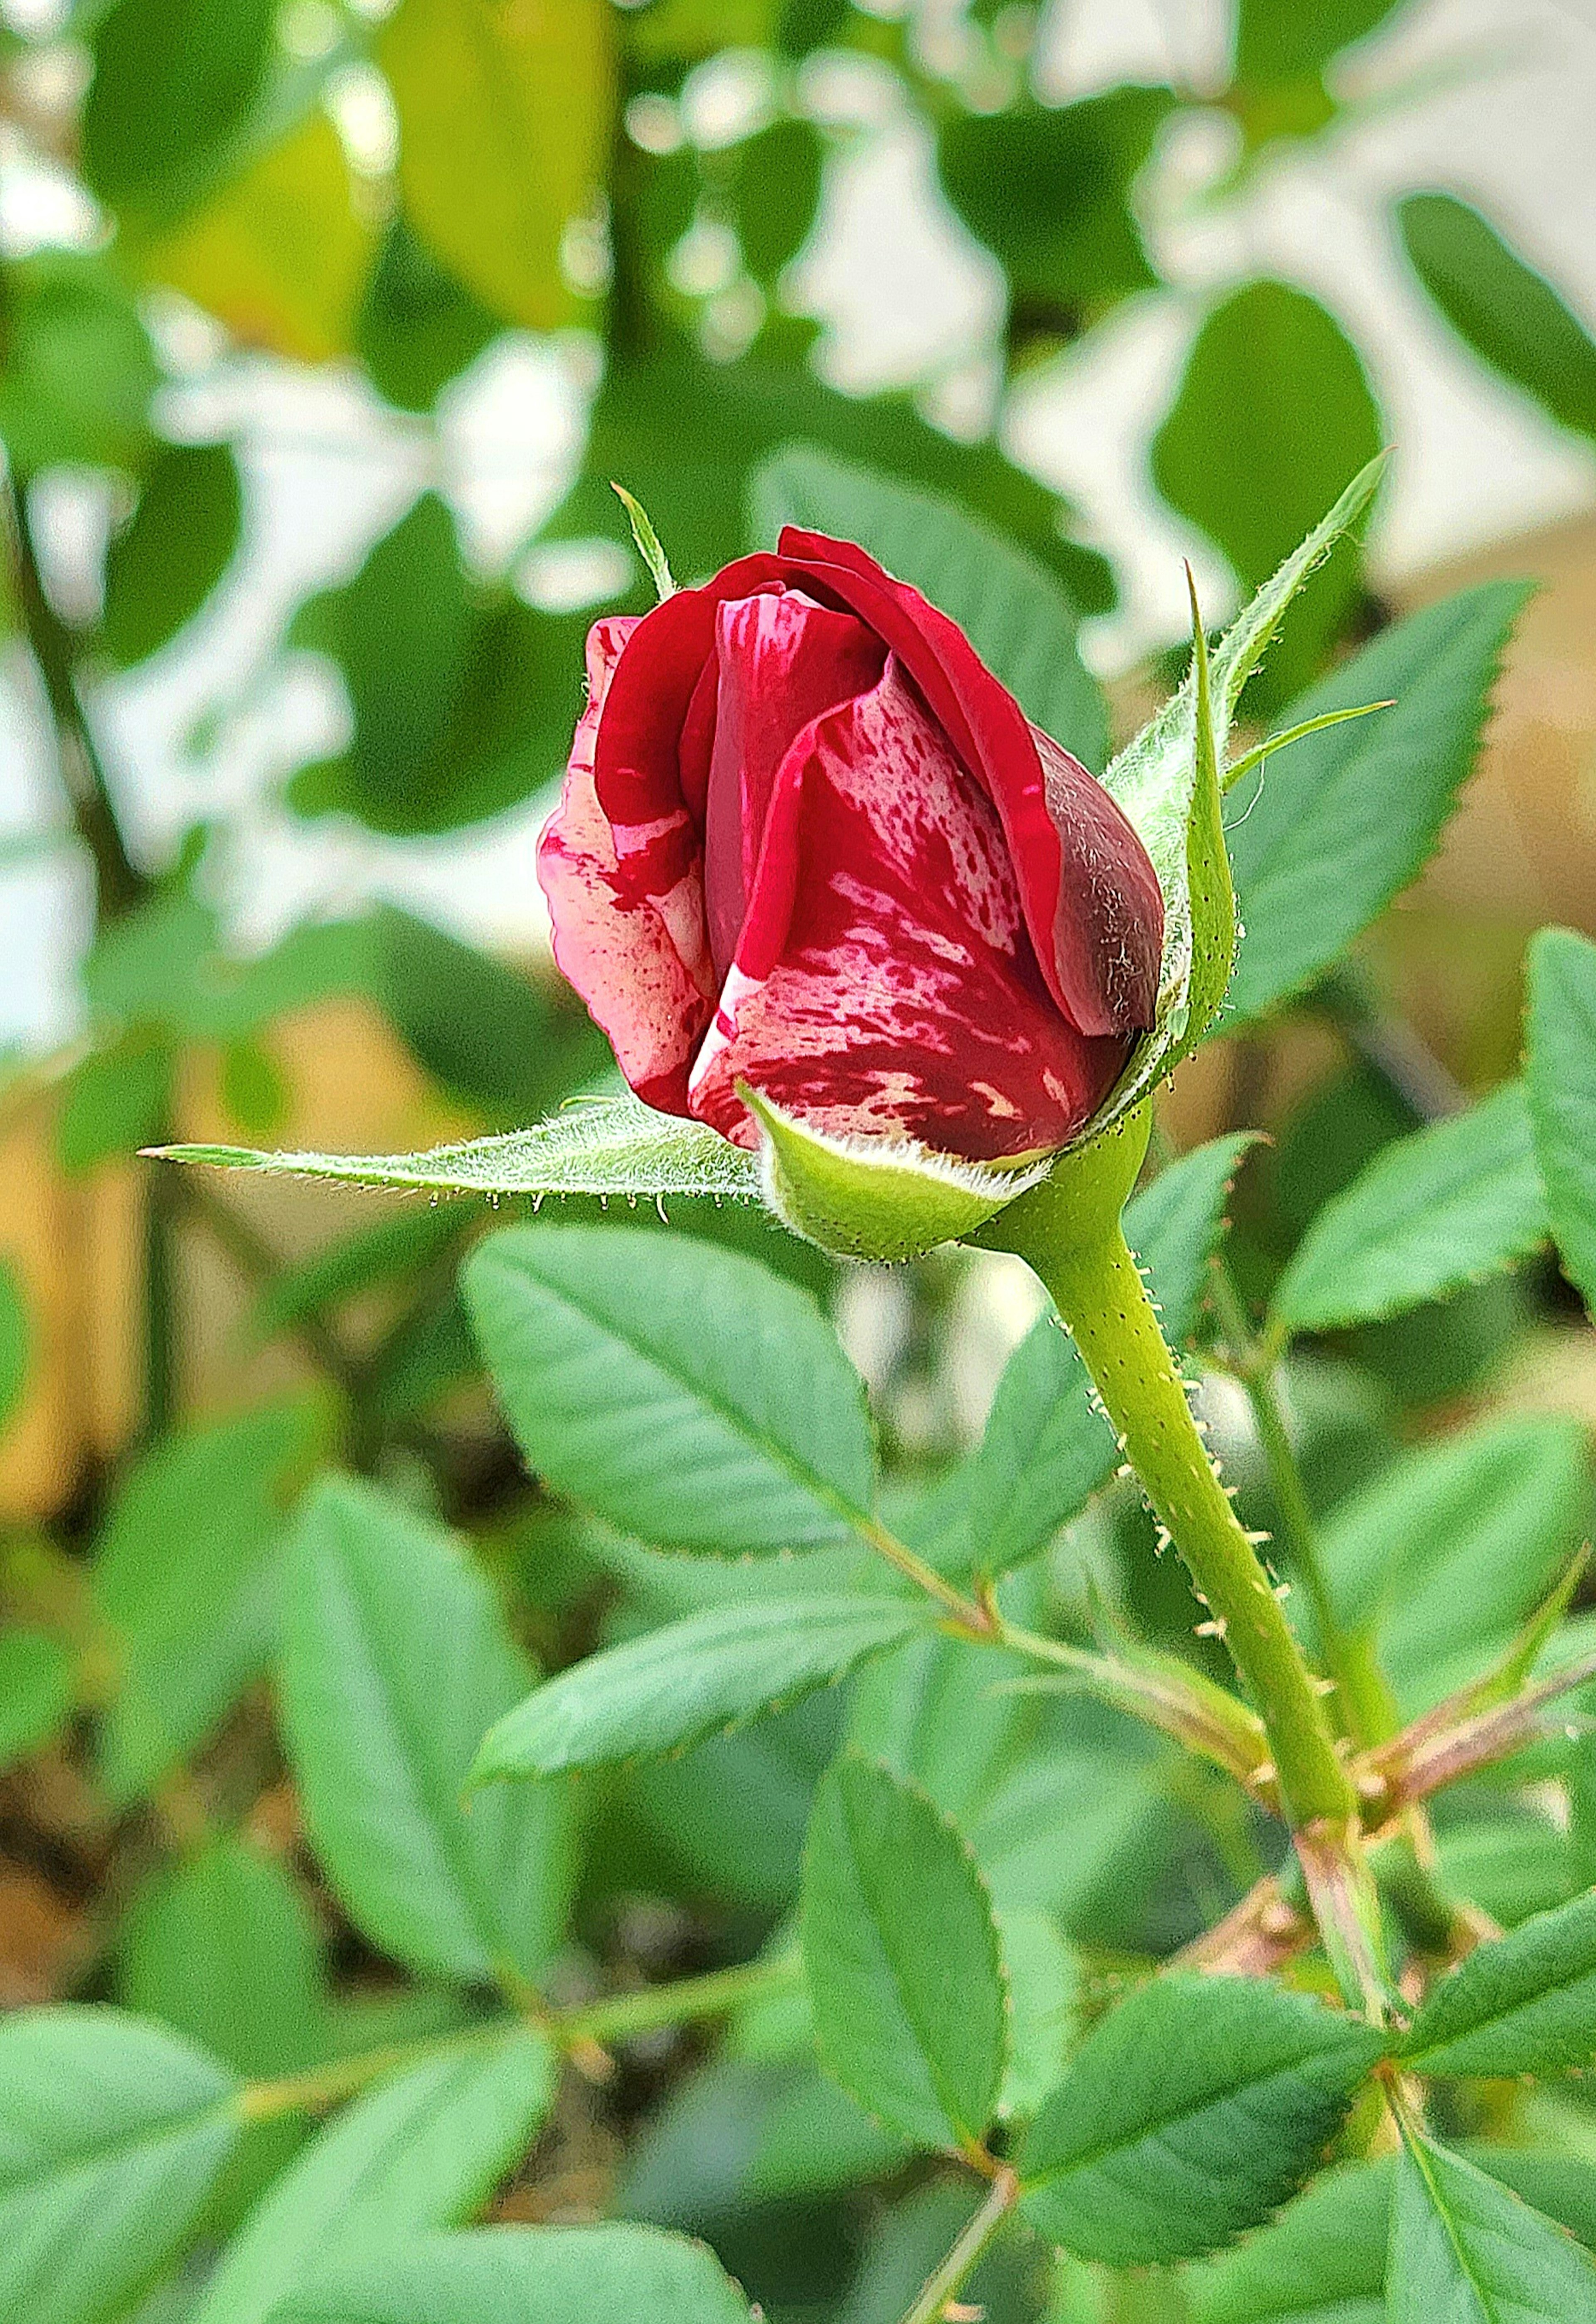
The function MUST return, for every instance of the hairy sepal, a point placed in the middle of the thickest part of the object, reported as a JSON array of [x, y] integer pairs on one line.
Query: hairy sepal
[[1169, 781], [877, 1198]]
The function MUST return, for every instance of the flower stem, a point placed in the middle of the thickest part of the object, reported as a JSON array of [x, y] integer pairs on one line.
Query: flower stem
[[948, 2280], [1363, 1699], [1098, 1290]]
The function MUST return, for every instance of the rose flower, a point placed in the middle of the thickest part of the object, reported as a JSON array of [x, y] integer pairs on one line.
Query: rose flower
[[808, 843]]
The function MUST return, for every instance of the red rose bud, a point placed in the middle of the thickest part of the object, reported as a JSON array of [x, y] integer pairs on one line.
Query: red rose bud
[[809, 845]]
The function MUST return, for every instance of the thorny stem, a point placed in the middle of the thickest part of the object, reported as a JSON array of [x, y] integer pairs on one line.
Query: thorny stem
[[947, 2280], [1367, 1714], [1098, 1290]]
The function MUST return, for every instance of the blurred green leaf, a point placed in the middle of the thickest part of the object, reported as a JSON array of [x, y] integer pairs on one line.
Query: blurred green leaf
[[187, 1577], [78, 370], [614, 2274], [111, 2135], [1454, 1546], [422, 2149], [116, 1101], [164, 563], [676, 1686], [1044, 1997], [396, 1659], [1048, 191], [742, 2132], [174, 82], [461, 705], [406, 1244], [36, 1691], [1463, 2246], [1562, 1075], [685, 434], [280, 252], [1188, 2115], [771, 186], [748, 1436], [902, 1957], [16, 1342], [224, 1951], [1176, 1223], [418, 328], [1282, 49], [1013, 611], [504, 122], [1272, 414], [1369, 798], [510, 1043], [1507, 312], [1446, 1206]]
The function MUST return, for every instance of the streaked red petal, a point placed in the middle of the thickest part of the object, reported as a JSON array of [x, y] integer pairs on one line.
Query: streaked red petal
[[781, 661], [885, 983], [612, 940], [1103, 969]]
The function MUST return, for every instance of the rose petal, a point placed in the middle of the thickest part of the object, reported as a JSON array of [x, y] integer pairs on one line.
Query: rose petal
[[781, 661], [1075, 854], [610, 938], [885, 983]]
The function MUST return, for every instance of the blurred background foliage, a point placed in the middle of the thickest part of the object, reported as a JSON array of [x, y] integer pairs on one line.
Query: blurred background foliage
[[390, 197]]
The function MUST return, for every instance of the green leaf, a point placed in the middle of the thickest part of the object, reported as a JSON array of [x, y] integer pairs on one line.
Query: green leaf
[[420, 326], [684, 434], [1188, 2116], [112, 2134], [1154, 780], [186, 1578], [1466, 2251], [607, 1146], [1272, 413], [616, 2273], [1176, 1222], [673, 1687], [1044, 1999], [1562, 1076], [1505, 308], [223, 1949], [503, 125], [1524, 2003], [280, 250], [1010, 607], [1369, 796], [116, 1100], [902, 1957], [1322, 2261], [1046, 1448], [14, 1337], [462, 705], [172, 86], [772, 190], [36, 1691], [395, 1661], [647, 543], [1448, 1205], [78, 370], [164, 563], [424, 2149], [683, 1393], [1048, 191], [1450, 1549], [1277, 43]]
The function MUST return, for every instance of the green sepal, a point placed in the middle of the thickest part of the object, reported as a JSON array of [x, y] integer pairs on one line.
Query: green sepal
[[877, 1198]]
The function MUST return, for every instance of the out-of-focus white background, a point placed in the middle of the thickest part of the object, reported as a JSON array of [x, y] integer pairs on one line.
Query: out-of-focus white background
[[1492, 99]]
